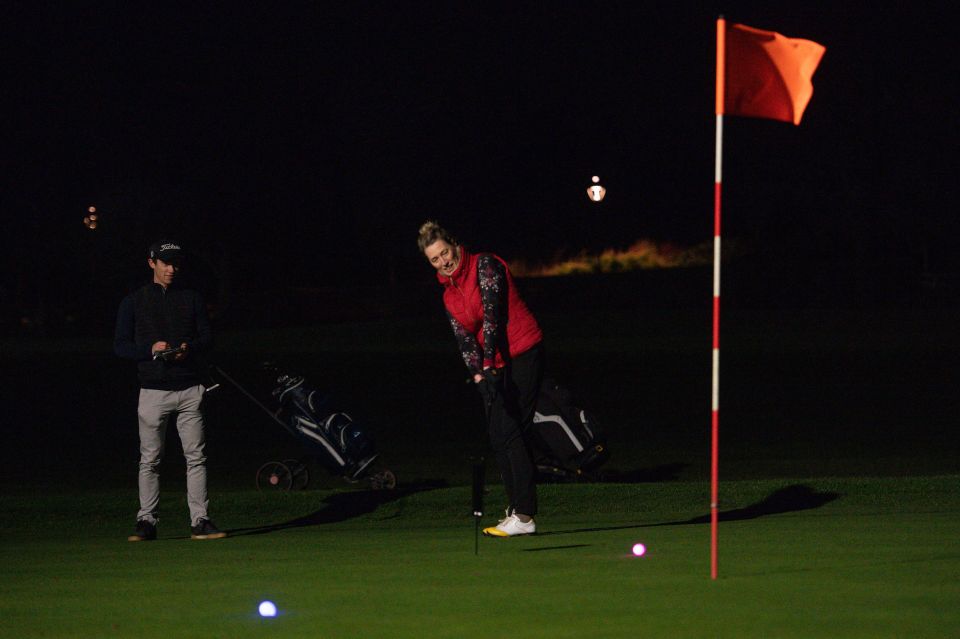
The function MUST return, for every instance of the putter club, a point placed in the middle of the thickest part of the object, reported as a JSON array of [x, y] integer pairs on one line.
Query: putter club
[[478, 480]]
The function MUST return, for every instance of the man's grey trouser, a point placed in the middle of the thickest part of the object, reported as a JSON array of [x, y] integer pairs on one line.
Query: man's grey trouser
[[154, 412]]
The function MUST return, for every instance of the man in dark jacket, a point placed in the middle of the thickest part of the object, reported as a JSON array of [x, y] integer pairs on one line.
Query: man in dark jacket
[[163, 328]]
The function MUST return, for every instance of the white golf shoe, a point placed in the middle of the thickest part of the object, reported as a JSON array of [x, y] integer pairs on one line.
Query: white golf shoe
[[511, 526]]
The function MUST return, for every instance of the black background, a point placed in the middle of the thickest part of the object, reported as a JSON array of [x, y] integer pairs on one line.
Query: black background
[[301, 144]]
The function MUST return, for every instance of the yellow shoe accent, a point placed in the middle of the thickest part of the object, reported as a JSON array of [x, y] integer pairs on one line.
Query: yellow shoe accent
[[493, 531]]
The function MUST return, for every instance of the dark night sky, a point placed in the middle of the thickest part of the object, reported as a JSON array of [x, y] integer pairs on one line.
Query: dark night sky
[[306, 141]]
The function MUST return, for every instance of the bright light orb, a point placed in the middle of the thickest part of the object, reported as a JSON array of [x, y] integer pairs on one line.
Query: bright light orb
[[639, 550], [267, 609], [596, 192]]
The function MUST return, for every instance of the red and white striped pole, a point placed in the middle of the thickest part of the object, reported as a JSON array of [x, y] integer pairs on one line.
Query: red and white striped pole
[[715, 386]]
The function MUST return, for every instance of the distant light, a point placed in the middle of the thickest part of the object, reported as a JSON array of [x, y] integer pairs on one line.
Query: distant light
[[596, 192], [267, 609], [90, 221], [639, 550]]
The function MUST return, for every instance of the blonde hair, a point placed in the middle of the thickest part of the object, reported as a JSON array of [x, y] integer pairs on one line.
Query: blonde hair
[[430, 232]]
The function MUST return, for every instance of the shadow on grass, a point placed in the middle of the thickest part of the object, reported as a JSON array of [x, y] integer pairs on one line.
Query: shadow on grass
[[785, 500], [343, 506], [666, 472], [567, 547]]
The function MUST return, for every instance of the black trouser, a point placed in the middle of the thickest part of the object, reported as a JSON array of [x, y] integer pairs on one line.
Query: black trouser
[[509, 416]]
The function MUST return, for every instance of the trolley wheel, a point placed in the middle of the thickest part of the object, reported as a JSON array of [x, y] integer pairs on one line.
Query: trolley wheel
[[301, 475], [274, 476], [383, 480]]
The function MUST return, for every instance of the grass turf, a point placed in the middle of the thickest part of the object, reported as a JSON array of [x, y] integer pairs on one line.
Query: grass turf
[[812, 395], [825, 557]]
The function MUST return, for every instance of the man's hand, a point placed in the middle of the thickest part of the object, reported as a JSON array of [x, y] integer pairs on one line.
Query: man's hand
[[179, 357], [164, 351]]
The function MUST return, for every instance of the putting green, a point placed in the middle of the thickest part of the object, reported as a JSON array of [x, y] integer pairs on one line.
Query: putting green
[[818, 558]]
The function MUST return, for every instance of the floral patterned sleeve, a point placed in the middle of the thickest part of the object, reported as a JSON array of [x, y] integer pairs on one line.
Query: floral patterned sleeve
[[469, 348], [493, 289]]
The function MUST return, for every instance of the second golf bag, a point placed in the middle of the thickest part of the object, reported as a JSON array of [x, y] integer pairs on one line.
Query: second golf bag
[[567, 441]]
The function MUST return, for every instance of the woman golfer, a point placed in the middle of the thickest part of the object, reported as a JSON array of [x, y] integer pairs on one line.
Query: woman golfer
[[500, 341]]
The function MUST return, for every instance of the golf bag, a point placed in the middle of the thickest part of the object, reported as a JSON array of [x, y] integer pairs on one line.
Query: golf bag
[[341, 445], [567, 441]]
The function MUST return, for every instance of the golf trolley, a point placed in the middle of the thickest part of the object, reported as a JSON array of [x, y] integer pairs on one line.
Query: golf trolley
[[342, 446]]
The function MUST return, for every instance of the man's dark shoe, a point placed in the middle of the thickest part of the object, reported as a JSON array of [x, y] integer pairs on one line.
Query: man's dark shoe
[[145, 531], [206, 529]]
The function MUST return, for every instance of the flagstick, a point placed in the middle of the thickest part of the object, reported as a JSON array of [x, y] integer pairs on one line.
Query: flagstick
[[715, 385]]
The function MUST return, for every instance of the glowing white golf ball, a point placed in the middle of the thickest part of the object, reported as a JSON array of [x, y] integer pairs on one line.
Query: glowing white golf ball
[[639, 550], [267, 609]]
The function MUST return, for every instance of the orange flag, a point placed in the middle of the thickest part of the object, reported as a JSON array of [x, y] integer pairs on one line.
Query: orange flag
[[768, 75]]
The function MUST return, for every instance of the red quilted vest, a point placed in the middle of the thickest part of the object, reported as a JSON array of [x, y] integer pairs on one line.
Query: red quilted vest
[[461, 296]]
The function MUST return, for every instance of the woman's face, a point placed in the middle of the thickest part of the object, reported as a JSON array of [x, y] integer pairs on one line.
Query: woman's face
[[443, 257]]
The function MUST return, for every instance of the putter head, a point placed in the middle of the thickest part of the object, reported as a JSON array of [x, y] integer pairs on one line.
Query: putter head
[[479, 475]]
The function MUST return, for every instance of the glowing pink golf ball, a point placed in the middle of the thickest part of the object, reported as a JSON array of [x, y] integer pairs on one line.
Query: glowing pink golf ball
[[639, 550]]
